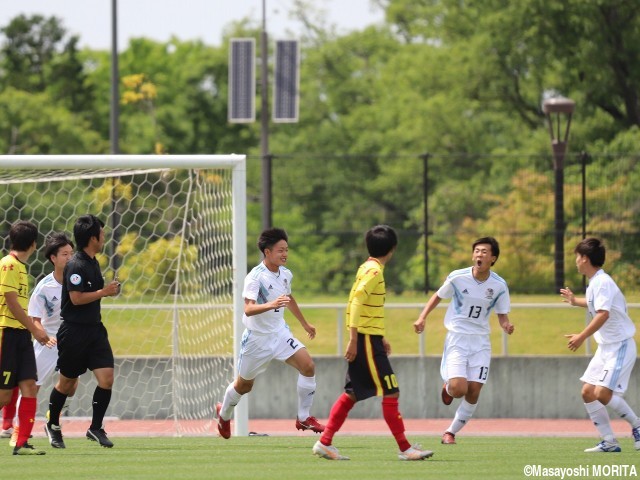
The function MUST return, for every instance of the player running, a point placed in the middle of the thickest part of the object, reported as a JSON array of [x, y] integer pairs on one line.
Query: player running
[[267, 292], [607, 376], [474, 291]]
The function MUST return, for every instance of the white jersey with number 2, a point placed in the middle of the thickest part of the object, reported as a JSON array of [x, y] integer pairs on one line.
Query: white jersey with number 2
[[472, 301], [264, 286]]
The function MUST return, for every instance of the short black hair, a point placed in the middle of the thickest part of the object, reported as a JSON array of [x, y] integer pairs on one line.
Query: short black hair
[[594, 249], [22, 234], [380, 240], [495, 246], [86, 226], [54, 242], [268, 238]]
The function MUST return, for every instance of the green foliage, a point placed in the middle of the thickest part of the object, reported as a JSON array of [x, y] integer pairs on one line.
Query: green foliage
[[155, 269], [31, 124], [462, 81]]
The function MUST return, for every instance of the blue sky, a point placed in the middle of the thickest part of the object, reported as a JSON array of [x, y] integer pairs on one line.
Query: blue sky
[[186, 19]]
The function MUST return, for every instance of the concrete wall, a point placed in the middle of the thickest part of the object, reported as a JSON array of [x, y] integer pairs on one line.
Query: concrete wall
[[518, 387], [526, 387]]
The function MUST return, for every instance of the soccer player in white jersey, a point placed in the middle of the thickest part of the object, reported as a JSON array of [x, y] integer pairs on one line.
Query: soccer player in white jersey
[[44, 307], [607, 376], [474, 292], [267, 292]]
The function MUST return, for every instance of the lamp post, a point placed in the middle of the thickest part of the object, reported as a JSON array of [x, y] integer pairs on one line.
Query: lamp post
[[558, 109], [264, 124]]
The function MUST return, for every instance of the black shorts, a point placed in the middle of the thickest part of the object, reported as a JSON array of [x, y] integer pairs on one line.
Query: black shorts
[[370, 374], [17, 360], [82, 347]]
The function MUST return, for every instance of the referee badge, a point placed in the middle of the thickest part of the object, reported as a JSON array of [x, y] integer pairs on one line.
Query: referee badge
[[75, 279]]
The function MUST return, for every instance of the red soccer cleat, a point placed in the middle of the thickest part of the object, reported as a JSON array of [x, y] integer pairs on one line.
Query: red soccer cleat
[[224, 426], [310, 424], [448, 438], [446, 398]]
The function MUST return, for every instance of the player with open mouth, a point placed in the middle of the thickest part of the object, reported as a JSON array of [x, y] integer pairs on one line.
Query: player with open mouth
[[474, 292]]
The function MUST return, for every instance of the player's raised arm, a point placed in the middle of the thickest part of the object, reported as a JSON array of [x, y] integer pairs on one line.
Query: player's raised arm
[[418, 325]]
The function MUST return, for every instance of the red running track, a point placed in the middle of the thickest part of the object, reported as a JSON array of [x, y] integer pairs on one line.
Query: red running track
[[517, 427]]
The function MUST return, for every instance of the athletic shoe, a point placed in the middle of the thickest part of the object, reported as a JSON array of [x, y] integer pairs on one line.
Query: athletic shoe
[[14, 436], [100, 436], [224, 426], [27, 449], [311, 423], [446, 398], [6, 433], [606, 447], [327, 451], [448, 438], [636, 436], [415, 452], [54, 432]]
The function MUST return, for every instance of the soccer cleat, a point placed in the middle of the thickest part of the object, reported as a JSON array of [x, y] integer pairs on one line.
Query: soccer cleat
[[635, 431], [327, 451], [14, 436], [311, 423], [6, 433], [415, 452], [100, 436], [448, 438], [27, 449], [605, 447], [224, 426], [54, 433], [446, 398]]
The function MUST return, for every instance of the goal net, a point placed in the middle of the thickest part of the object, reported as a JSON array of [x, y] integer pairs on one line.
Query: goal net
[[175, 228]]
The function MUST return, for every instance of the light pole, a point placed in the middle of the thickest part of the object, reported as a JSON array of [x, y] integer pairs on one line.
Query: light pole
[[556, 109], [264, 124], [114, 134]]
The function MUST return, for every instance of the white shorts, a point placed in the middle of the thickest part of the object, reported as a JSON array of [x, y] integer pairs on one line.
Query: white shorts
[[46, 361], [611, 366], [466, 356], [258, 349]]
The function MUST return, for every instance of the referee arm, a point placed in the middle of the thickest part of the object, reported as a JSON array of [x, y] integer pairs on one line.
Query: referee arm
[[82, 298]]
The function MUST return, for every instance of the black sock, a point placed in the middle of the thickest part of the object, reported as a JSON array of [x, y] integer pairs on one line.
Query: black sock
[[101, 399], [56, 404]]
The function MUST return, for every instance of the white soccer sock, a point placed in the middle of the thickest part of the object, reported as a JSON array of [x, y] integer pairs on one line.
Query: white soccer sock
[[306, 390], [600, 417], [622, 408], [463, 414], [231, 399]]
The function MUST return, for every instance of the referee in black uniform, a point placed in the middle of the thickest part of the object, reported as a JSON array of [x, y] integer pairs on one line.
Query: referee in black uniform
[[82, 338]]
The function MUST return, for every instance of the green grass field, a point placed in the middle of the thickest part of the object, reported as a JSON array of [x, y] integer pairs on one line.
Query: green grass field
[[539, 331], [279, 458]]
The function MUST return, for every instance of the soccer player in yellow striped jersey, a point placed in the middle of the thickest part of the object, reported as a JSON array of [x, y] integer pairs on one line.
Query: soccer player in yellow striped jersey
[[365, 309], [369, 371], [474, 291], [17, 360]]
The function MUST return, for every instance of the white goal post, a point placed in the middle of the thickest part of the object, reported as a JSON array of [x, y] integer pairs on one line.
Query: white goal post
[[176, 239]]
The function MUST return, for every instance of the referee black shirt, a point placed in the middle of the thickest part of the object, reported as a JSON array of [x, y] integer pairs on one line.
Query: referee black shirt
[[81, 274]]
